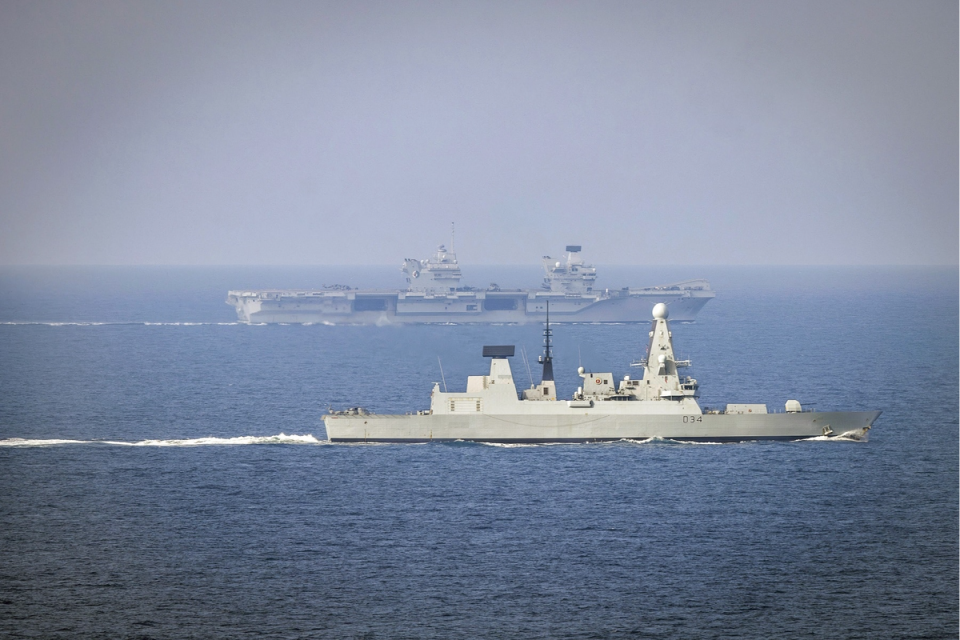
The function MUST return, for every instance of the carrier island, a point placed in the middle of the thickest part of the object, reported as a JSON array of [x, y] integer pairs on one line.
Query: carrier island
[[661, 404], [434, 295]]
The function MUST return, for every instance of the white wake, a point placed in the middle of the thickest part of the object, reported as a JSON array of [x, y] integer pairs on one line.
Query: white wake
[[107, 324], [281, 438]]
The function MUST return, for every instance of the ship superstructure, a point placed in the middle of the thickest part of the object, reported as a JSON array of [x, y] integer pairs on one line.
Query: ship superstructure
[[569, 276], [434, 295], [441, 273], [663, 403]]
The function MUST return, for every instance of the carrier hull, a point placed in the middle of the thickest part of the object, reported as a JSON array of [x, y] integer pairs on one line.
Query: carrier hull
[[464, 307], [584, 426]]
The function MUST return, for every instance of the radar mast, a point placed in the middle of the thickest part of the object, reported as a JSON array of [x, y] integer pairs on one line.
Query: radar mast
[[545, 359]]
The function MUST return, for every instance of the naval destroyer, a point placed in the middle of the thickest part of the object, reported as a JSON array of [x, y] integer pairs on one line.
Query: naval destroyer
[[661, 404], [434, 295]]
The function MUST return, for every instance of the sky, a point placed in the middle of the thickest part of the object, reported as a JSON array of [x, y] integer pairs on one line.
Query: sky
[[320, 133]]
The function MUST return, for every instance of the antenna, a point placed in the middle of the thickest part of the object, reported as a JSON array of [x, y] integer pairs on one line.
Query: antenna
[[546, 332], [453, 237], [441, 375], [545, 359]]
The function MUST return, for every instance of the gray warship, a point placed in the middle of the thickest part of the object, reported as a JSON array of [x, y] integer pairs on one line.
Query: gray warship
[[434, 295], [661, 404]]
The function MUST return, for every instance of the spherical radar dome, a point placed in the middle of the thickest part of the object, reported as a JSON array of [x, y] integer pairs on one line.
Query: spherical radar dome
[[660, 311]]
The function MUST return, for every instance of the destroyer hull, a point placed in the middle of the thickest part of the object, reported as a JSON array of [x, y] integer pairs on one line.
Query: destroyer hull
[[513, 307], [591, 427]]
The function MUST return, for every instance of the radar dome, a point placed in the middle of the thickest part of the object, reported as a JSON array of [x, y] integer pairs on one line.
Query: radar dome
[[660, 311]]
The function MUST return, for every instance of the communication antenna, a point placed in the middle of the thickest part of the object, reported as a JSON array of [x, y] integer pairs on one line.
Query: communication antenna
[[441, 375], [453, 237]]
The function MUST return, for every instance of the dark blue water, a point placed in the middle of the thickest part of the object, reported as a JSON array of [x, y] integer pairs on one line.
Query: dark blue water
[[181, 511]]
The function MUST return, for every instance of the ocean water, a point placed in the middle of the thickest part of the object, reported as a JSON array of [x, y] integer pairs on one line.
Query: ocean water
[[164, 471]]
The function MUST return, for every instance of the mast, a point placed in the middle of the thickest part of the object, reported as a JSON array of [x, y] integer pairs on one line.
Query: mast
[[545, 359]]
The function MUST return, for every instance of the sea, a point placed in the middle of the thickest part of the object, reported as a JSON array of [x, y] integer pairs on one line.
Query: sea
[[164, 470]]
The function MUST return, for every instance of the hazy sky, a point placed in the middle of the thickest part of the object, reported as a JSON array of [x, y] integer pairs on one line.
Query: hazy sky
[[355, 132]]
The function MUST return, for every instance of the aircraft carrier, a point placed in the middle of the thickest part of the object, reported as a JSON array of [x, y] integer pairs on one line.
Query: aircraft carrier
[[434, 295]]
